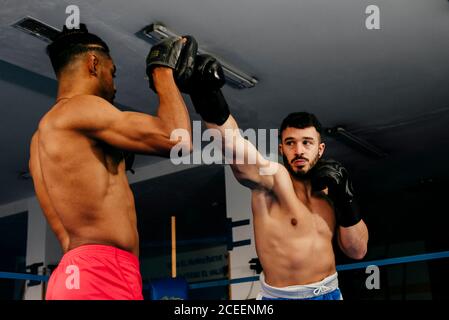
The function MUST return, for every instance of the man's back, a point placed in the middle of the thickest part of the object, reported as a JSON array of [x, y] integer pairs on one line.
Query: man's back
[[84, 182]]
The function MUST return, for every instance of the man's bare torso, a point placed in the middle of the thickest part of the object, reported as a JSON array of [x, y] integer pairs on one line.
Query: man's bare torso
[[294, 239], [81, 185]]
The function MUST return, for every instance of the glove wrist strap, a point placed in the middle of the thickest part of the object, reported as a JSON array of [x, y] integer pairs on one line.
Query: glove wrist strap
[[347, 213]]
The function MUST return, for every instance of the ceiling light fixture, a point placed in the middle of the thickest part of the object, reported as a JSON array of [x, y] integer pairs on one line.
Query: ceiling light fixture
[[235, 78], [350, 139], [36, 28]]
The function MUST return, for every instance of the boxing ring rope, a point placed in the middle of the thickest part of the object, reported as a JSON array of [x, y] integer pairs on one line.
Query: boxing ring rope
[[344, 267], [23, 276], [217, 283]]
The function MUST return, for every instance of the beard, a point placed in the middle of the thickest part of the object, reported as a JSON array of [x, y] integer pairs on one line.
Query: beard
[[300, 174], [106, 92], [110, 96]]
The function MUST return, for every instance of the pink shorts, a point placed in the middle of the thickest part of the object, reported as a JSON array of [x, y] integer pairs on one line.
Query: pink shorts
[[96, 272]]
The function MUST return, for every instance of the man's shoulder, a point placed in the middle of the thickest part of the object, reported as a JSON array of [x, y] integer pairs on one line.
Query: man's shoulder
[[87, 101], [78, 109], [75, 105]]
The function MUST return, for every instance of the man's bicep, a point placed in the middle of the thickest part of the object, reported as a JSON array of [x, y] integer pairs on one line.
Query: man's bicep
[[90, 114], [132, 131], [137, 132], [283, 185], [250, 167], [256, 176]]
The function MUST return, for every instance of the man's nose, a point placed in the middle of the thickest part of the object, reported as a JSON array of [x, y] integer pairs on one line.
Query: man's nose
[[299, 150]]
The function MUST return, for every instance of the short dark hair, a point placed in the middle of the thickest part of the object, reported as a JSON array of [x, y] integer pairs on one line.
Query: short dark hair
[[71, 42], [301, 120]]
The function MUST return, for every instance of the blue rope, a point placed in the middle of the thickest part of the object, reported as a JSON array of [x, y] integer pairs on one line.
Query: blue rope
[[217, 283], [23, 276], [344, 267], [390, 261]]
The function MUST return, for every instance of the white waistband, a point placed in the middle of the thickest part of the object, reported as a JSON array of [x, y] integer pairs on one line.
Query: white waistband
[[326, 285]]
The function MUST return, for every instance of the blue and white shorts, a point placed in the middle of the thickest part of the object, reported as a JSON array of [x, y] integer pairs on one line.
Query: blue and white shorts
[[326, 289]]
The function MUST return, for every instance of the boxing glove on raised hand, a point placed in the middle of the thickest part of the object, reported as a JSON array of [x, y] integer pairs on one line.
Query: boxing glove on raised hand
[[174, 53], [205, 90], [331, 174], [185, 66]]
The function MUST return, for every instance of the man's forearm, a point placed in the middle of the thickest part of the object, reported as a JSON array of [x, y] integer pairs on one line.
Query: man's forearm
[[172, 109], [230, 124], [354, 240], [249, 166], [232, 141]]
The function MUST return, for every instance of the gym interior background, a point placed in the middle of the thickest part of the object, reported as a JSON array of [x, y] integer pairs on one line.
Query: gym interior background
[[387, 87]]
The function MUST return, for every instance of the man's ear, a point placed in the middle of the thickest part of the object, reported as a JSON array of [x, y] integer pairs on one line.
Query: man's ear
[[93, 64], [321, 148], [280, 149]]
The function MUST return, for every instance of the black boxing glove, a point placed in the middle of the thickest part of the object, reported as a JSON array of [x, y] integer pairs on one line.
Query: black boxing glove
[[186, 63], [165, 53], [331, 174], [205, 90], [173, 53]]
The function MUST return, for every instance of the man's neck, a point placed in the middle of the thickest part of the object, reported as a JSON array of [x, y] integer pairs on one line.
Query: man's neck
[[71, 87], [302, 187]]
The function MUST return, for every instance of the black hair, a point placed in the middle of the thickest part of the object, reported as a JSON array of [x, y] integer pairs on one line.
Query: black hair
[[301, 120], [71, 42]]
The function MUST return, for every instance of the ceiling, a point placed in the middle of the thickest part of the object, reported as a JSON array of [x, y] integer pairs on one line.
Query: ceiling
[[388, 86]]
